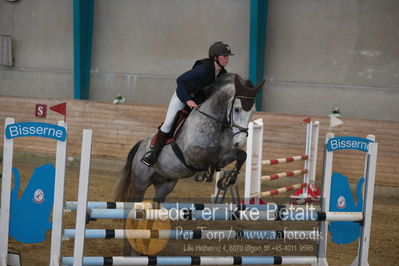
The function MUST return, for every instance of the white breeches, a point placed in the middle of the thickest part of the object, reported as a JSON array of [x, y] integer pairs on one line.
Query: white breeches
[[175, 105]]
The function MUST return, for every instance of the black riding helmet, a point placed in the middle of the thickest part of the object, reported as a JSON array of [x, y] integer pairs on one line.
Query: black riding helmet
[[219, 48]]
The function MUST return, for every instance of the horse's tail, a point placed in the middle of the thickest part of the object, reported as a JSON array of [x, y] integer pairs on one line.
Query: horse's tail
[[123, 186]]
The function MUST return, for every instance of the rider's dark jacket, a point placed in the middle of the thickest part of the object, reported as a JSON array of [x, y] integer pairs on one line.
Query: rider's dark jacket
[[191, 84]]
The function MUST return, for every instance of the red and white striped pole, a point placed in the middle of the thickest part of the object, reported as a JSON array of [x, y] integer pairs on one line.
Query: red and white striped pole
[[285, 160], [282, 190], [285, 174]]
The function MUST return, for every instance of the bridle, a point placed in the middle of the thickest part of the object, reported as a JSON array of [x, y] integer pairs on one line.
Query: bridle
[[229, 124], [232, 124]]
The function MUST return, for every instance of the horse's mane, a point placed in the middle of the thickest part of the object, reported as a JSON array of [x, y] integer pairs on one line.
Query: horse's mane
[[224, 80]]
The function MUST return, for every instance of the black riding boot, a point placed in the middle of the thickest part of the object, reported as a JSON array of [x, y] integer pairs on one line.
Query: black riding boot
[[150, 158]]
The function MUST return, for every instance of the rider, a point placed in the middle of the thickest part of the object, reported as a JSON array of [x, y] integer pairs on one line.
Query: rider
[[189, 92]]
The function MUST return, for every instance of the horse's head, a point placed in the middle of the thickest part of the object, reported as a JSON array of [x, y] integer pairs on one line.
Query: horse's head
[[241, 109]]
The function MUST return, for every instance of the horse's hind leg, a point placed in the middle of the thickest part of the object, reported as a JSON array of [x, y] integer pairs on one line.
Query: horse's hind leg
[[163, 188], [137, 194], [139, 185]]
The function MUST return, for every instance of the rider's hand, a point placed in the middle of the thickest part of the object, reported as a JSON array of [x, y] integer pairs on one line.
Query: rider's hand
[[191, 104]]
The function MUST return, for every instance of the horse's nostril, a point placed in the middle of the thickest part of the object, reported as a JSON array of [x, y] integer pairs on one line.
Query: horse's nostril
[[236, 144]]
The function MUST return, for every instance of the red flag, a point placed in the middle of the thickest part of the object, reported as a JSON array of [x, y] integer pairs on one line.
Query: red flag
[[307, 120], [59, 108]]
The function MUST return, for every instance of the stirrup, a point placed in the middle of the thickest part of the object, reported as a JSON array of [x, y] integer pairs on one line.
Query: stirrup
[[146, 160]]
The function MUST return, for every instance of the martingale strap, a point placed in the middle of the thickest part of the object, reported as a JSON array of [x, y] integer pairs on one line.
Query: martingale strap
[[180, 155]]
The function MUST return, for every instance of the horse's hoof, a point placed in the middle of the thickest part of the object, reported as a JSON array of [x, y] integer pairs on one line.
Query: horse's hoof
[[201, 177], [222, 184]]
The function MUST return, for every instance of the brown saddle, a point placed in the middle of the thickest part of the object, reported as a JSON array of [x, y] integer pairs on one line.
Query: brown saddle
[[178, 122]]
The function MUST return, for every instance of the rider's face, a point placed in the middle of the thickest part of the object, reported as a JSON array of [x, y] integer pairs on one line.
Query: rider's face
[[223, 60]]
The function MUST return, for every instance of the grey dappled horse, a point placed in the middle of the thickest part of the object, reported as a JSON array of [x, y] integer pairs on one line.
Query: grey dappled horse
[[210, 138]]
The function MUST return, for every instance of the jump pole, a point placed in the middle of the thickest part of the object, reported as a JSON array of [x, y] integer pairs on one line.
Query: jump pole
[[195, 260], [6, 193], [369, 172], [254, 161], [72, 206], [58, 205], [82, 197], [194, 234]]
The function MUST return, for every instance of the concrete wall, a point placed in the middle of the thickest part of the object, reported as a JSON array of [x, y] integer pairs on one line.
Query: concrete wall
[[319, 54], [142, 46], [322, 54], [43, 48]]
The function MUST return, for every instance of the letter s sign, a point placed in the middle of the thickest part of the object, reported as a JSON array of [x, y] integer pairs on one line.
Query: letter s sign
[[41, 110]]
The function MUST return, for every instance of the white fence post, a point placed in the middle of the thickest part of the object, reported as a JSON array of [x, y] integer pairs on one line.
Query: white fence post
[[6, 193], [313, 152], [82, 198], [325, 201], [307, 164], [368, 192], [253, 164], [58, 205]]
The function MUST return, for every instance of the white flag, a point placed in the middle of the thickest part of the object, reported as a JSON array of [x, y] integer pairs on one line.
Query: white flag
[[335, 122]]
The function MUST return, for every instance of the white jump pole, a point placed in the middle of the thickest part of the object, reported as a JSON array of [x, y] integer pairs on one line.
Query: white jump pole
[[217, 177], [307, 164], [58, 205], [6, 193], [368, 192], [325, 202], [253, 168], [313, 152], [82, 198]]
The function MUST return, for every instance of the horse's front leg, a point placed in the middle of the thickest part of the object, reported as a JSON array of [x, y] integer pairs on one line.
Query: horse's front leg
[[217, 162], [212, 162], [230, 176]]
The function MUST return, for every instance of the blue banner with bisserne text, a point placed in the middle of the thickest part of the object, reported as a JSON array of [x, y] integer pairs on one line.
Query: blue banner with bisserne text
[[348, 143], [35, 129]]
